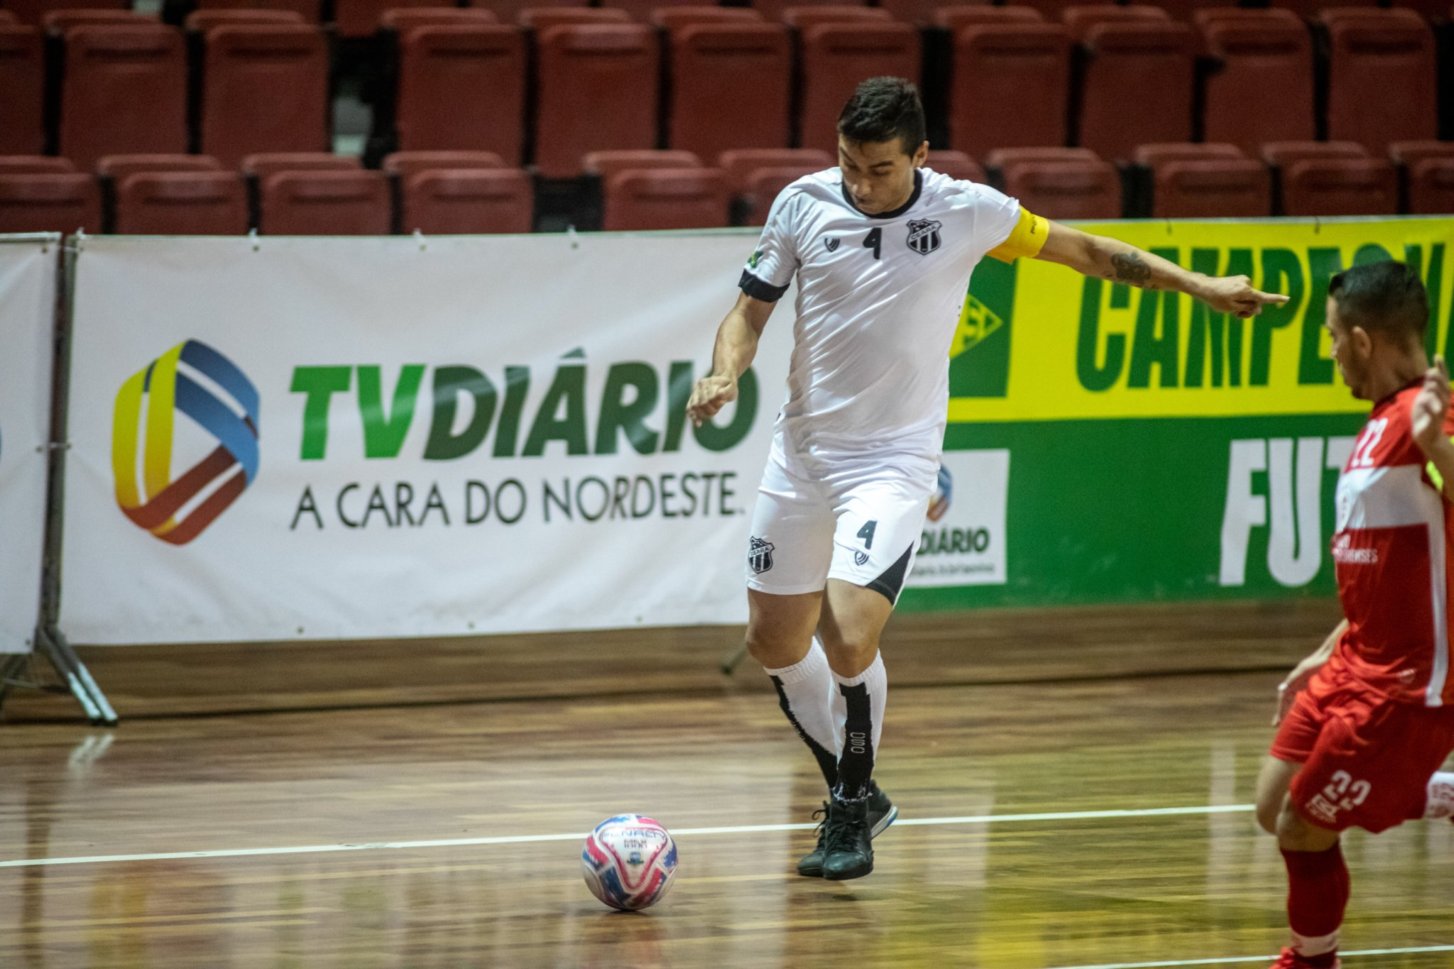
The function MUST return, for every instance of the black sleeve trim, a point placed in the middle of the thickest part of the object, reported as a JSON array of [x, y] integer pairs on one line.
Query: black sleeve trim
[[758, 289]]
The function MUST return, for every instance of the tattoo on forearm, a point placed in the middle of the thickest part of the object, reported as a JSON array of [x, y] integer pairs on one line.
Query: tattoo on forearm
[[1130, 268]]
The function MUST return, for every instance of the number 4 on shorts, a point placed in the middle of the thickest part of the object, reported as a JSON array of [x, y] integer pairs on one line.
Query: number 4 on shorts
[[866, 533]]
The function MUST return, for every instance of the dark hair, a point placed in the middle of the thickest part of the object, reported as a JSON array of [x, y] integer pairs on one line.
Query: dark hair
[[884, 108], [1387, 297]]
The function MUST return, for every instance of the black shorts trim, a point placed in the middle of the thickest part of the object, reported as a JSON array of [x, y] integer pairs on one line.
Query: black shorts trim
[[891, 582]]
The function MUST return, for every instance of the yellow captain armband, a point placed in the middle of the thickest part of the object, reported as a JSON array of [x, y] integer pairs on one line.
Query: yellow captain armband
[[1026, 239]]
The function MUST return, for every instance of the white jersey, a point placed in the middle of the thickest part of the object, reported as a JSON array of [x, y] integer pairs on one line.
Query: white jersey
[[879, 300]]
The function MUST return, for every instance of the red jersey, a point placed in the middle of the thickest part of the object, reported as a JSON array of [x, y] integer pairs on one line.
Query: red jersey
[[1391, 552]]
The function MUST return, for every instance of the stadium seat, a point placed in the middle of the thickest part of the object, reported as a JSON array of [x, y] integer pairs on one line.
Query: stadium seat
[[35, 165], [706, 111], [1186, 11], [597, 90], [1187, 187], [406, 163], [32, 12], [956, 164], [450, 201], [541, 19], [22, 78], [403, 20], [835, 58], [1247, 55], [1280, 154], [675, 18], [1311, 9], [1146, 64], [309, 10], [753, 200], [7, 18], [264, 89], [509, 10], [805, 18], [357, 19], [461, 87], [998, 161], [962, 15], [1050, 10], [123, 90], [1066, 189], [1009, 85], [63, 21], [666, 198], [202, 21], [264, 164], [739, 163], [608, 164], [1339, 186], [919, 13], [325, 203], [1426, 175], [644, 11], [774, 9], [119, 167], [49, 202], [1080, 18], [181, 203], [1382, 77]]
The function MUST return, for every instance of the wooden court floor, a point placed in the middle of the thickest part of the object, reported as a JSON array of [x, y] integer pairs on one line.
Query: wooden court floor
[[1074, 787]]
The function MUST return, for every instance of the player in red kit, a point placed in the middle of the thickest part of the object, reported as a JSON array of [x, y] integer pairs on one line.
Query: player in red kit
[[1367, 720]]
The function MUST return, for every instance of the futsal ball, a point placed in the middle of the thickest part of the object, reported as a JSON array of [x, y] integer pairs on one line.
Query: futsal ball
[[628, 861]]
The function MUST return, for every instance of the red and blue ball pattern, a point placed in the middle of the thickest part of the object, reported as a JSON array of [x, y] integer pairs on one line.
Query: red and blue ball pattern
[[628, 861]]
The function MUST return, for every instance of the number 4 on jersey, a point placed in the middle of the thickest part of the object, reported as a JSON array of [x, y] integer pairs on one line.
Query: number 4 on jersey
[[874, 241]]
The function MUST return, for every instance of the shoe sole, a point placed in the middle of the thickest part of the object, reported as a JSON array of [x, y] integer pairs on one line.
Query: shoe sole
[[878, 829]]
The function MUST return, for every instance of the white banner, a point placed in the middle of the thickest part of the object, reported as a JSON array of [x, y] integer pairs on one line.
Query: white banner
[[964, 539], [383, 438], [27, 314]]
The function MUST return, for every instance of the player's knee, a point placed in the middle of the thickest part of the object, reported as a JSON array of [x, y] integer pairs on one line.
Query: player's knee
[[850, 655], [773, 651], [1296, 833]]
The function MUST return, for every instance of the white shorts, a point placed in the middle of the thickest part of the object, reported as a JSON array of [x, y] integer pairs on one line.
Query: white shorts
[[858, 520]]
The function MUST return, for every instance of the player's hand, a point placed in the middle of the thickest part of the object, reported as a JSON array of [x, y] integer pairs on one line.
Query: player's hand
[[709, 395], [1430, 406], [1235, 295], [1295, 683]]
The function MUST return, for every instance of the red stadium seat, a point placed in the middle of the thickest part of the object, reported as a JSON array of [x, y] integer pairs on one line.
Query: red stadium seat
[[644, 11], [22, 78], [1050, 10], [597, 90], [52, 202], [675, 18], [1192, 188], [264, 88], [920, 13], [706, 112], [1009, 86], [1066, 189], [952, 18], [740, 163], [1251, 52], [608, 164], [264, 164], [1382, 83], [63, 21], [955, 164], [181, 203], [1425, 187], [202, 21], [403, 20], [509, 10], [1185, 11], [1281, 154], [1339, 186], [805, 18], [309, 10], [666, 198], [1311, 9], [406, 163], [35, 165], [124, 90], [1147, 64], [774, 9], [120, 167], [835, 58], [1082, 17], [540, 19], [449, 201], [33, 12], [355, 19], [325, 203], [7, 18], [762, 186], [461, 87]]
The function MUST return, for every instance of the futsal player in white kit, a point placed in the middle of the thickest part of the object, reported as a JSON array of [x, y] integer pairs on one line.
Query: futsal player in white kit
[[883, 250]]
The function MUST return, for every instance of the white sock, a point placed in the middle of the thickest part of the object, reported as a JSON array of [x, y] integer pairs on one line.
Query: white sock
[[863, 698], [1441, 796], [807, 695]]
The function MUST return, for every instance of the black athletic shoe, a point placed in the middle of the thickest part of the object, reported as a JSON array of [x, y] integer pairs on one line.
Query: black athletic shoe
[[881, 814], [847, 847]]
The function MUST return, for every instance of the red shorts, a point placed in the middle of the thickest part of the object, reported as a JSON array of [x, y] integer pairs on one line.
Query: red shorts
[[1366, 759]]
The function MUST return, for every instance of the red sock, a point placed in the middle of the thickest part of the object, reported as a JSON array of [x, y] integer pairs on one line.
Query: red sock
[[1317, 894]]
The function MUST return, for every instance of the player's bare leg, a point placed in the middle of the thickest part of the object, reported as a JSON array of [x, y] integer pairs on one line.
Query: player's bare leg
[[1318, 884]]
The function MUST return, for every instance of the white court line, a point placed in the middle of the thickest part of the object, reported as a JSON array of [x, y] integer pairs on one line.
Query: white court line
[[679, 832], [1413, 950]]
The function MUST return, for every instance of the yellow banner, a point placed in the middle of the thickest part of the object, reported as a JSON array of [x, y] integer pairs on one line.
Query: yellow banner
[[1041, 342]]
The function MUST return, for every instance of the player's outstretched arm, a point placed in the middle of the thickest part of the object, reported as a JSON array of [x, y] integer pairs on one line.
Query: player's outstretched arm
[[1428, 415], [731, 356], [1122, 262]]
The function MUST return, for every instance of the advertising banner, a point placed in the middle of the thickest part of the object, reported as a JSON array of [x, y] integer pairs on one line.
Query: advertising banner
[[344, 438], [28, 267], [1161, 451]]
